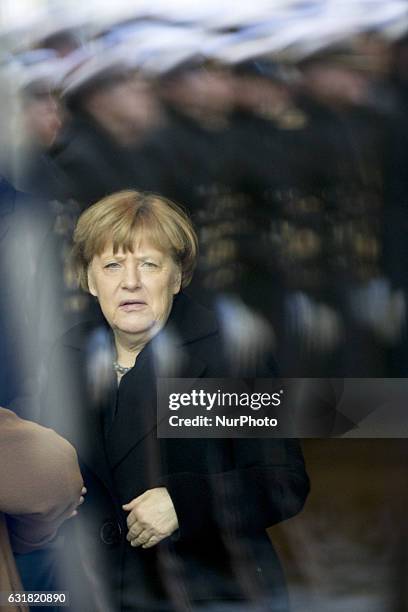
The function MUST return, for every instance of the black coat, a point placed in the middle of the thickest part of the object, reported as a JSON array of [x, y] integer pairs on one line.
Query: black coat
[[225, 492]]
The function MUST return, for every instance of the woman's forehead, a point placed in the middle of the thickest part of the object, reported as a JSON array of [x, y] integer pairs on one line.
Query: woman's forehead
[[139, 246]]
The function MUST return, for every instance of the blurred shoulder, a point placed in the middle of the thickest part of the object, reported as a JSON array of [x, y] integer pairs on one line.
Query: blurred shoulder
[[79, 336], [19, 435], [191, 320], [232, 340]]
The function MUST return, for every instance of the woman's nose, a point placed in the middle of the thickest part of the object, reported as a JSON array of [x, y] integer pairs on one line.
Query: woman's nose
[[131, 277]]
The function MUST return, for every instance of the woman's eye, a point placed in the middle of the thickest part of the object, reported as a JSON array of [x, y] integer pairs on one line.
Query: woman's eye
[[111, 266], [149, 264]]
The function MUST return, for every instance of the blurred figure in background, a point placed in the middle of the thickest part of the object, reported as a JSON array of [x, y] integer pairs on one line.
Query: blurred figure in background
[[107, 144], [41, 120], [265, 147], [198, 99], [348, 189]]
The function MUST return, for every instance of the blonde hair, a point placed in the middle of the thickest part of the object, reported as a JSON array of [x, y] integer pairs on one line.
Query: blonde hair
[[122, 218]]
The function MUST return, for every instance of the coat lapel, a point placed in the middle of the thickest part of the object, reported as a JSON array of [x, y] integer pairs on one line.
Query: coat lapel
[[137, 402]]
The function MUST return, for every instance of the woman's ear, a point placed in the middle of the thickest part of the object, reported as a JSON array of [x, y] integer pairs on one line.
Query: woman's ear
[[177, 281], [91, 282]]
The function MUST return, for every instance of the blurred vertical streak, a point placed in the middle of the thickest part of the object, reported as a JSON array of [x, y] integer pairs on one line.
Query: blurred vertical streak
[[399, 596], [24, 227]]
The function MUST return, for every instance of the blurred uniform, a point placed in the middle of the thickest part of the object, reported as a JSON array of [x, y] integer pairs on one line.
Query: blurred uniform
[[96, 166], [264, 145], [108, 143], [197, 142], [342, 174]]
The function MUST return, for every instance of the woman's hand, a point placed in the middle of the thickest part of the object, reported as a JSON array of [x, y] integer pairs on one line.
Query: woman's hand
[[152, 518]]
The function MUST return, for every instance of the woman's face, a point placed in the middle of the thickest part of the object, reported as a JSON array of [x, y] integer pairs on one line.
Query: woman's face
[[135, 290]]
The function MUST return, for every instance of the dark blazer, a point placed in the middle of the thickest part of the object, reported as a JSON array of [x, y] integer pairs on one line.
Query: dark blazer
[[225, 492]]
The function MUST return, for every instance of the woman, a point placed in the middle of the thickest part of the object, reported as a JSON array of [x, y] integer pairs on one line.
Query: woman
[[40, 487], [168, 524]]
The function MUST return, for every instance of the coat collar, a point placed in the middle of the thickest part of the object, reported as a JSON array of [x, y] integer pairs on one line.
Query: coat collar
[[190, 321]]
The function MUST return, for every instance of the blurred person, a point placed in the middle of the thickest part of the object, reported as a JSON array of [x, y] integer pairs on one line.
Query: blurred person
[[265, 144], [40, 488], [32, 119], [107, 144], [203, 91], [40, 123], [346, 131], [263, 89], [198, 98], [198, 102], [376, 55], [279, 183], [168, 524], [333, 82], [41, 117], [200, 135], [253, 192], [58, 304]]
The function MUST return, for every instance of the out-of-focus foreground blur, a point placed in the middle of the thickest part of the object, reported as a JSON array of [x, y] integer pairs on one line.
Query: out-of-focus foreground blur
[[282, 127]]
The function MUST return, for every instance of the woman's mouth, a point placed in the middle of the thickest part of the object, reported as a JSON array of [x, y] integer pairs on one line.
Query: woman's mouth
[[131, 305]]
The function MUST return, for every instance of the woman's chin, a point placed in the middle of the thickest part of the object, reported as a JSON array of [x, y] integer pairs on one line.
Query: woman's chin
[[137, 328]]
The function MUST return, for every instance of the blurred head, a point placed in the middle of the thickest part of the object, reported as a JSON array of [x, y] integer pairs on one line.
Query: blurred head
[[261, 85], [253, 93], [122, 103], [335, 83], [41, 116], [206, 89], [134, 252]]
